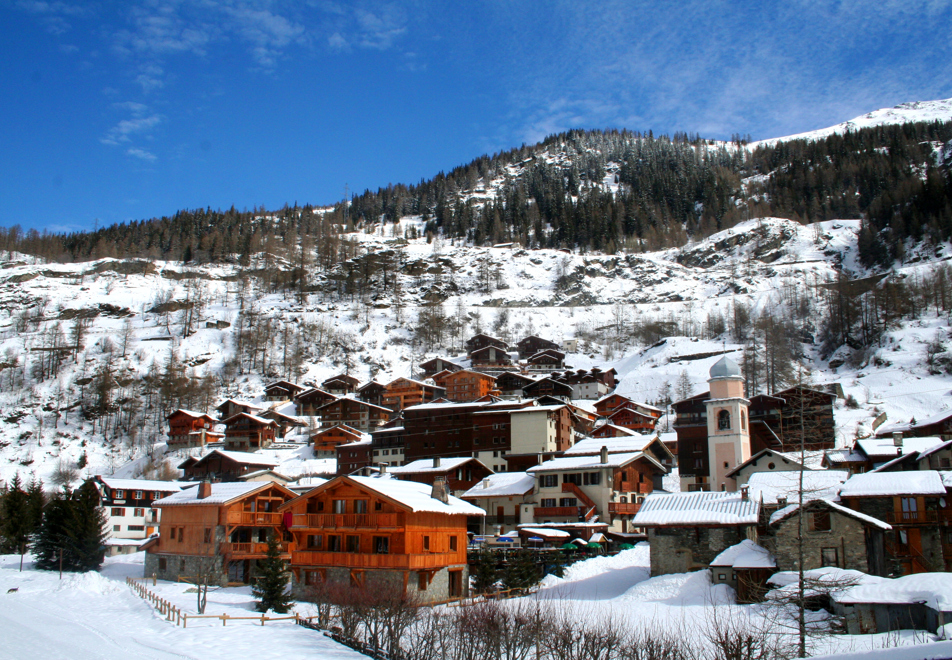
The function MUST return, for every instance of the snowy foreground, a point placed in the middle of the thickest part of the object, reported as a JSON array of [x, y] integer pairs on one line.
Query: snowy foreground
[[96, 615]]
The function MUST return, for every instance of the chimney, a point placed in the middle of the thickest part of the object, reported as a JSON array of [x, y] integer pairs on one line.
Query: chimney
[[204, 489], [486, 482], [436, 461], [604, 454], [897, 438], [382, 467], [744, 490], [439, 491], [782, 501]]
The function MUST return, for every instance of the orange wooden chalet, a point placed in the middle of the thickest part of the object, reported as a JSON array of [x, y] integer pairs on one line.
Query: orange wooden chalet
[[464, 386], [405, 392], [326, 440], [310, 400], [378, 532], [220, 530], [245, 432], [191, 429], [355, 413]]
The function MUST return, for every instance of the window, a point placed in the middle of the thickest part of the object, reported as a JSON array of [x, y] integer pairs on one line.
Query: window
[[378, 506], [181, 534], [568, 501], [743, 419], [360, 506], [139, 495], [315, 541], [548, 501], [340, 506], [829, 557], [353, 543], [117, 528], [138, 513], [118, 494], [910, 508], [423, 582], [381, 545], [722, 576], [182, 566], [426, 542], [723, 420], [333, 543], [452, 544], [820, 522], [163, 563], [549, 480], [136, 528], [117, 511], [207, 536]]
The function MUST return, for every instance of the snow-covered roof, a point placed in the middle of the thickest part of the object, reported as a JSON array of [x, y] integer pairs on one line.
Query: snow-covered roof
[[143, 484], [905, 427], [789, 510], [307, 482], [193, 413], [935, 448], [365, 442], [417, 496], [698, 508], [221, 493], [425, 465], [536, 409], [745, 554], [877, 484], [768, 487], [934, 589], [623, 444], [589, 462], [243, 457], [502, 484], [946, 476], [885, 447], [543, 531], [843, 456]]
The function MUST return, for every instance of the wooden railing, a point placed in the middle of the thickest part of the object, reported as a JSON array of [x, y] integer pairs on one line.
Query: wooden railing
[[360, 560], [623, 508], [911, 517], [347, 520], [250, 548], [254, 518], [569, 487]]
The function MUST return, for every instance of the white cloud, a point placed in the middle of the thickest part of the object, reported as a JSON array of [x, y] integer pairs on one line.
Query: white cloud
[[141, 153], [122, 132]]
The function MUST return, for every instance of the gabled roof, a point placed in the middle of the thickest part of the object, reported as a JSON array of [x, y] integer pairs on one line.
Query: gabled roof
[[349, 430], [311, 391], [241, 457], [357, 401], [258, 420], [700, 508], [934, 418], [768, 487], [885, 448], [502, 484], [284, 384], [142, 484], [421, 383], [789, 510], [425, 465], [239, 403], [623, 444], [193, 414], [409, 495], [790, 460], [459, 374], [934, 449], [222, 493], [372, 383], [627, 407], [531, 337], [883, 484], [592, 462]]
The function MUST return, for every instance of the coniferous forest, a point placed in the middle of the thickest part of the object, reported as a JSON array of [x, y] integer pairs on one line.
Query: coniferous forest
[[602, 191]]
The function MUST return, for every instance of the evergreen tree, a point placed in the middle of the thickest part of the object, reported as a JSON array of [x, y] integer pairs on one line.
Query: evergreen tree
[[484, 572], [89, 531], [272, 580], [54, 533], [73, 524], [37, 500], [16, 526], [520, 571]]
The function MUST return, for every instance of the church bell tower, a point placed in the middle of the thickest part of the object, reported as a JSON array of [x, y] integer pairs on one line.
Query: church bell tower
[[728, 428]]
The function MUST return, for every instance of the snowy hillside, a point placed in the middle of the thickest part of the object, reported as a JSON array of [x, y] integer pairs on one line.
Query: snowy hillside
[[650, 316]]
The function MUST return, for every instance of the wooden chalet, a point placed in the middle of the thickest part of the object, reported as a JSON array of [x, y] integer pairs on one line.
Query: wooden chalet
[[372, 392], [405, 392], [633, 417], [549, 387], [590, 385], [224, 465], [233, 407], [464, 386], [355, 413], [937, 425], [438, 364], [191, 429], [354, 457], [460, 473], [745, 567], [532, 345], [546, 361], [481, 341], [311, 399], [376, 532], [282, 390], [245, 432], [490, 356], [784, 413], [609, 404], [326, 440], [218, 529], [511, 384], [285, 421], [127, 505], [340, 385]]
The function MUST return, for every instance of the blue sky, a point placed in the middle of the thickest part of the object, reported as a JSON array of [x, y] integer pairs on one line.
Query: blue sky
[[115, 111]]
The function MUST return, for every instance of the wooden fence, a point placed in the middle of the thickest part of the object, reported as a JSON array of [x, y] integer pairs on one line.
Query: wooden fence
[[180, 618]]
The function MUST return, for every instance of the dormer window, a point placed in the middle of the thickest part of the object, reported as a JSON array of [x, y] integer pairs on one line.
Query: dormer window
[[724, 420]]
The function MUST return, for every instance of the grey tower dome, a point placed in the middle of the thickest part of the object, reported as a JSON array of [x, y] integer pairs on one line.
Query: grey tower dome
[[725, 368]]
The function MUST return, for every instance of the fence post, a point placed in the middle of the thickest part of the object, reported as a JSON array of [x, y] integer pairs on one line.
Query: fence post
[[154, 579], [224, 620], [185, 620], [262, 619]]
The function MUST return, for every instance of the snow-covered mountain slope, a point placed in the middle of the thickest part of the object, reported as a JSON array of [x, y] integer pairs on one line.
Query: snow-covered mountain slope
[[648, 315], [915, 111]]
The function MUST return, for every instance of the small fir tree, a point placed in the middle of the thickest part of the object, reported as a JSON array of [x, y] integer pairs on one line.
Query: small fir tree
[[271, 586], [16, 524], [74, 525], [484, 572]]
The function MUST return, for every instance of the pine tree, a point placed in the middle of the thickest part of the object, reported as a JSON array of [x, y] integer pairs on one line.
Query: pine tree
[[54, 532], [37, 500], [16, 526], [484, 572], [271, 586], [74, 525], [89, 533]]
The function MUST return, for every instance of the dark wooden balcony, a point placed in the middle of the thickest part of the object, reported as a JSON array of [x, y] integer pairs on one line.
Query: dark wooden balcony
[[912, 517], [623, 508], [322, 521], [254, 518], [556, 512], [367, 560]]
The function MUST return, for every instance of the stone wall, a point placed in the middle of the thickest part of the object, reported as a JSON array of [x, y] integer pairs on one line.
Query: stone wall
[[381, 580], [683, 549], [185, 566], [847, 535]]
